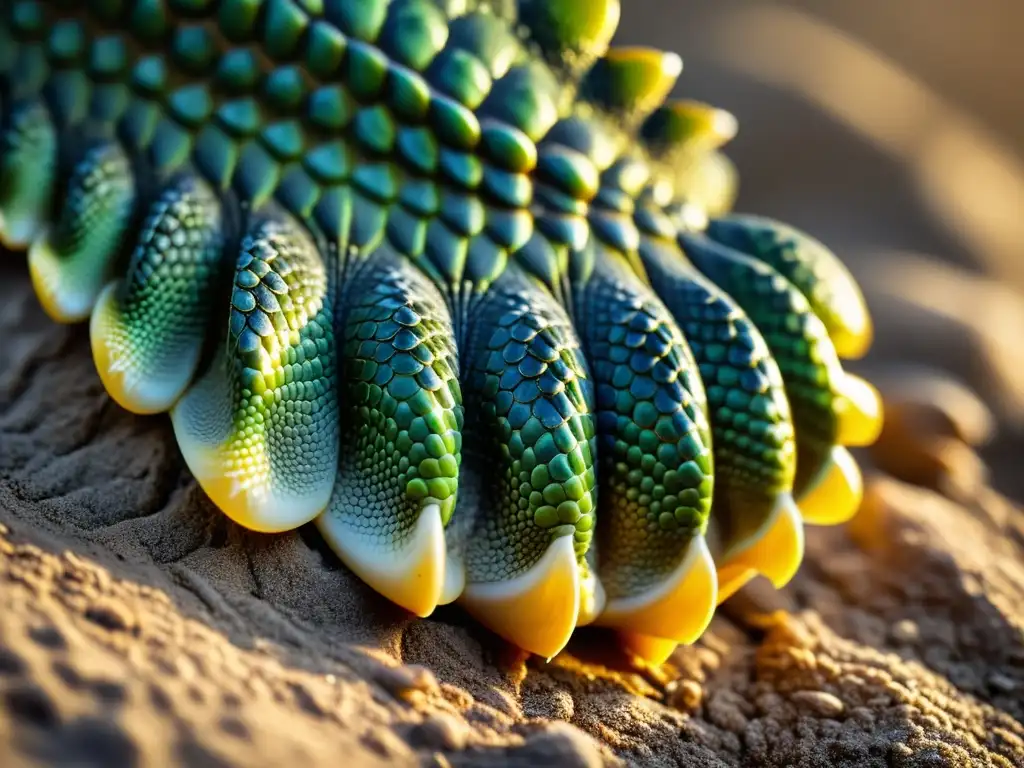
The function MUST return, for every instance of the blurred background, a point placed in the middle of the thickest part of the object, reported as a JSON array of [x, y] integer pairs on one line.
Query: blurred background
[[893, 131]]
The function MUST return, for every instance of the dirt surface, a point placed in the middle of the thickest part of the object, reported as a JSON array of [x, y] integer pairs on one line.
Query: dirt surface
[[139, 627]]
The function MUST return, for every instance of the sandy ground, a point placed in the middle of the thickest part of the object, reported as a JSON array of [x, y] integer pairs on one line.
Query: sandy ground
[[139, 627]]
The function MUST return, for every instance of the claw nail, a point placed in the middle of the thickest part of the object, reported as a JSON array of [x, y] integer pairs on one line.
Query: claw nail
[[680, 608], [860, 413], [411, 575], [127, 383], [454, 579], [775, 553], [592, 599], [835, 496], [654, 651], [853, 343], [538, 610], [63, 300]]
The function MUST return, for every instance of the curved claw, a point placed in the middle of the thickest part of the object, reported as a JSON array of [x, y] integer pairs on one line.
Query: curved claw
[[62, 296], [593, 597], [836, 493], [775, 552], [859, 411], [129, 384], [678, 609], [653, 651], [411, 573], [454, 578], [256, 507], [536, 610], [570, 33], [853, 343]]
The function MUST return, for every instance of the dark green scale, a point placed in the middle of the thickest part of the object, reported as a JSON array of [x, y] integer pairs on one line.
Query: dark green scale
[[654, 442], [530, 433], [174, 271], [282, 360], [796, 337], [754, 448], [414, 86], [588, 153], [401, 432], [805, 262]]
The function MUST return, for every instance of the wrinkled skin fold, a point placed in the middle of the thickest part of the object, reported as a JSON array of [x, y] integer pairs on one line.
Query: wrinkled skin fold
[[452, 281]]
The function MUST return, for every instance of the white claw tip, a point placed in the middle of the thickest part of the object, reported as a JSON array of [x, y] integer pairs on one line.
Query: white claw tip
[[677, 609], [411, 574]]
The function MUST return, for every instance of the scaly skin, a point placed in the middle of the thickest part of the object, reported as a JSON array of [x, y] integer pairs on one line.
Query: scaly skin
[[451, 279]]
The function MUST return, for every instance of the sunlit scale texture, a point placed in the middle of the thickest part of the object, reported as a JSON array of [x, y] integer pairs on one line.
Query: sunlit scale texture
[[455, 281], [148, 329]]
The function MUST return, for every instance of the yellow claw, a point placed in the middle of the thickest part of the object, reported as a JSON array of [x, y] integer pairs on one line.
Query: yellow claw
[[636, 80], [256, 508], [775, 552], [592, 598], [859, 412], [454, 578], [693, 126], [652, 650], [537, 610], [835, 495], [854, 340], [411, 575], [679, 609]]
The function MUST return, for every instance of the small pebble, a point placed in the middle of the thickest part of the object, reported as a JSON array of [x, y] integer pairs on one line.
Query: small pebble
[[406, 682], [818, 703], [905, 631], [724, 709], [563, 745], [442, 731], [386, 744], [686, 695], [708, 659], [935, 404], [112, 615], [1002, 683]]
